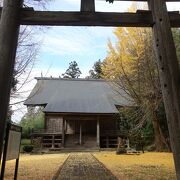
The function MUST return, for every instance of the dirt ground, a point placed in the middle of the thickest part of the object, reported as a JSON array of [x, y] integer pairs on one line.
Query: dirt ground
[[148, 166]]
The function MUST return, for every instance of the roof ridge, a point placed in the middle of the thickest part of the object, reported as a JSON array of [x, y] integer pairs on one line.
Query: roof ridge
[[69, 79]]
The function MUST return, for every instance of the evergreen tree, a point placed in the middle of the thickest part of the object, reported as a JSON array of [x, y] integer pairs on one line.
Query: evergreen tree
[[96, 71], [73, 71]]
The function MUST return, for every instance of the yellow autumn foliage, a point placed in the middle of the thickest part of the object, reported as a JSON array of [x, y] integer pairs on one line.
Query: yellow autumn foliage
[[36, 167], [147, 166], [126, 55]]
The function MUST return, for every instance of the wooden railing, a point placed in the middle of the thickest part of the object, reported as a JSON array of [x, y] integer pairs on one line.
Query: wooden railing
[[42, 131], [38, 131]]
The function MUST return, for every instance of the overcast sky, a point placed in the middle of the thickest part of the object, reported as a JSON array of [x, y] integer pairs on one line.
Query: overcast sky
[[85, 45]]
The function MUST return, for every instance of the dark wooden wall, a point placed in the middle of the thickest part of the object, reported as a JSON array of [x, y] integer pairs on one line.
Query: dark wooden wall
[[54, 123], [107, 125]]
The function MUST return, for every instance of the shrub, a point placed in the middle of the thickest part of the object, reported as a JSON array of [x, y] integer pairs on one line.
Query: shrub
[[25, 141], [121, 151], [28, 148]]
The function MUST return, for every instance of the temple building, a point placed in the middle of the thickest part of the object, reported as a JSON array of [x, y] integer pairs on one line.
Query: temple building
[[79, 113]]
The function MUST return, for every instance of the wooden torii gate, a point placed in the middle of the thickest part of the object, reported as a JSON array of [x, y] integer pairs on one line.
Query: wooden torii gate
[[13, 15]]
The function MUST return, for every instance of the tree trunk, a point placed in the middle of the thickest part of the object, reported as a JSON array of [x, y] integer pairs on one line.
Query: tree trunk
[[160, 141]]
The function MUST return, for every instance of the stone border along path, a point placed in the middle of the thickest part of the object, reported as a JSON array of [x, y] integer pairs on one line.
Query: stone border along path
[[83, 166]]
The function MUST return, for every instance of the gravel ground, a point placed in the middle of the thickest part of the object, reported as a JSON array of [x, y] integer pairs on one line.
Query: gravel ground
[[84, 166]]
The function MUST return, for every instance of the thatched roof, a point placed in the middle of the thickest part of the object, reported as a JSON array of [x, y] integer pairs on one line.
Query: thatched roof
[[77, 96]]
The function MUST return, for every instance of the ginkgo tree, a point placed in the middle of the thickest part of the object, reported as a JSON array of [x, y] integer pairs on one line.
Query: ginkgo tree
[[131, 65]]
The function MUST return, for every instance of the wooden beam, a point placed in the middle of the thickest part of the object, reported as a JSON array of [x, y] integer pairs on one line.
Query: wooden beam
[[146, 0], [169, 74], [60, 18], [85, 19], [139, 19], [174, 19], [9, 29], [87, 5]]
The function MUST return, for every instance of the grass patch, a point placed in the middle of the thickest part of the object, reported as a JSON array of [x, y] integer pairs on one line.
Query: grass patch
[[36, 167], [148, 166]]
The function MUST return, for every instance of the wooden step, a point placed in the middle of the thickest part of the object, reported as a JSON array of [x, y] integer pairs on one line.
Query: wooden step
[[58, 139]]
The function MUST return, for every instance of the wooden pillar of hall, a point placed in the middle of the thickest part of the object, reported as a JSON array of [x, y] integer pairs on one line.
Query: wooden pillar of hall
[[80, 133], [53, 141], [9, 30], [63, 132], [169, 73], [98, 132]]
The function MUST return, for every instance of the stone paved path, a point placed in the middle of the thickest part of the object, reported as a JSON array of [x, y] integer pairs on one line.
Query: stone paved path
[[84, 166]]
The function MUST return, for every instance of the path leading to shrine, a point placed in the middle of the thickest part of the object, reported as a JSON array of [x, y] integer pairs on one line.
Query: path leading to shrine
[[84, 166]]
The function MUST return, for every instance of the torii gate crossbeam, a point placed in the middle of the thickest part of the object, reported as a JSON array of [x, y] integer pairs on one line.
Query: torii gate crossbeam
[[13, 15]]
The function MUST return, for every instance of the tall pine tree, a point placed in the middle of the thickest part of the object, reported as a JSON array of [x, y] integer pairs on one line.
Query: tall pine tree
[[96, 71], [73, 71]]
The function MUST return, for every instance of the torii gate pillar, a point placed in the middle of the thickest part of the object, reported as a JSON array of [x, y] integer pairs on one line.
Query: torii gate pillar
[[169, 74], [9, 30]]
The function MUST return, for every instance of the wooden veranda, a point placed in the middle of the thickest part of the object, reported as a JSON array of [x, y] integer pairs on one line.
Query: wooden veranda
[[78, 132], [13, 14]]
